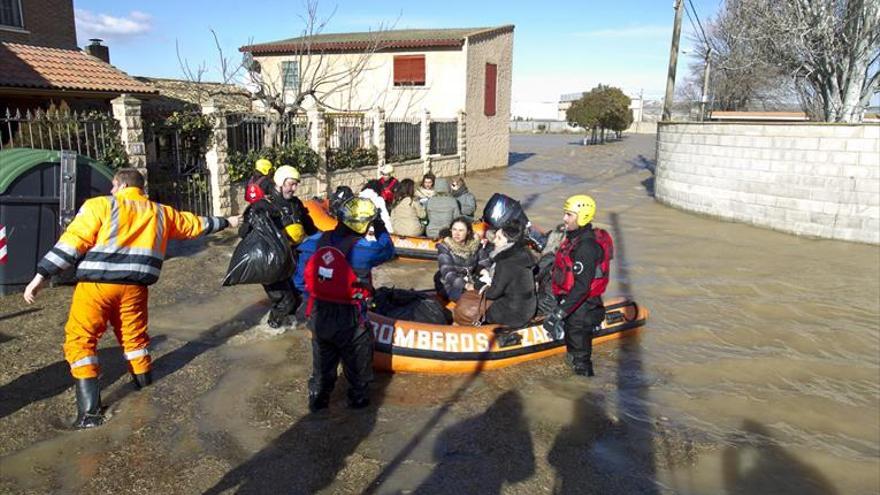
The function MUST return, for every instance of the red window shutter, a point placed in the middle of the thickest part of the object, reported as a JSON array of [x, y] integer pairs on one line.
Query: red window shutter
[[409, 70], [489, 97]]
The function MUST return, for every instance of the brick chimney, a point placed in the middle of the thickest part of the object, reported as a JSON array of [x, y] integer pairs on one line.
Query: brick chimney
[[97, 50]]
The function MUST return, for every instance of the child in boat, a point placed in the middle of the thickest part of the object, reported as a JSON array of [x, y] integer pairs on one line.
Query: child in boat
[[459, 257], [510, 281], [373, 191], [407, 213]]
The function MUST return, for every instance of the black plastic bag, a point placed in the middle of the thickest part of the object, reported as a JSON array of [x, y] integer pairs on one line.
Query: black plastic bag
[[410, 305], [262, 257]]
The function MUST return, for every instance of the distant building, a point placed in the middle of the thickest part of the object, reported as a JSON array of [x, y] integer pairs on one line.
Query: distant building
[[443, 71], [40, 63], [568, 99]]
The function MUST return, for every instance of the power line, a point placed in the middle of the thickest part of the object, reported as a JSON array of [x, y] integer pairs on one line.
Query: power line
[[694, 10], [694, 26]]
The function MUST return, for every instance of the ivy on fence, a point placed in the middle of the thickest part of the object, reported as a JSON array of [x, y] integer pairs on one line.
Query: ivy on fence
[[346, 159], [240, 165]]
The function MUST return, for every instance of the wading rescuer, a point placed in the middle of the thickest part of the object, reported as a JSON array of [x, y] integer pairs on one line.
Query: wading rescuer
[[337, 277], [289, 214], [579, 276], [117, 243]]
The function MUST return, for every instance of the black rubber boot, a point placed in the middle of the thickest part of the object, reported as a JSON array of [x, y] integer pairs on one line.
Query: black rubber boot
[[88, 404], [585, 369], [318, 401], [142, 380]]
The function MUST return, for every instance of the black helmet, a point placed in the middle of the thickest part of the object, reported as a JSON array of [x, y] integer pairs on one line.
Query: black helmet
[[501, 209], [339, 197]]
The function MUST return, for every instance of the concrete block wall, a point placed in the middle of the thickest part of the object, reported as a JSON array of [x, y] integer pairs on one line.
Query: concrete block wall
[[818, 180]]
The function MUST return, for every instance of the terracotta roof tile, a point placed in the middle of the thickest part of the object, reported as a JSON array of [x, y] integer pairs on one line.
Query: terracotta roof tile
[[403, 38], [40, 67]]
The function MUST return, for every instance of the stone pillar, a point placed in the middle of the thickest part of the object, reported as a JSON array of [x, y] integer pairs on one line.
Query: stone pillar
[[215, 158], [379, 135], [462, 143], [127, 110], [426, 141], [318, 143]]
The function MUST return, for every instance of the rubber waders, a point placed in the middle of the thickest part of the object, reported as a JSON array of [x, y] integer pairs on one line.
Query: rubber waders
[[142, 380], [88, 404]]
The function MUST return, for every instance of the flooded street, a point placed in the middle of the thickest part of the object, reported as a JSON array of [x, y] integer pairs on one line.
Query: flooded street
[[758, 372]]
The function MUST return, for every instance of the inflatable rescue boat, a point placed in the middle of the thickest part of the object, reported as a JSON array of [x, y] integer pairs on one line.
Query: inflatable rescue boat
[[420, 248], [412, 347]]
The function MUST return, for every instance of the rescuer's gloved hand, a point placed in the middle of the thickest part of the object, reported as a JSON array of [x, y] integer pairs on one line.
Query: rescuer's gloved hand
[[554, 324]]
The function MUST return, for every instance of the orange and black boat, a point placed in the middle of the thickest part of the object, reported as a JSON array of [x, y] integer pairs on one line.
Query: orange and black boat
[[406, 346], [420, 248]]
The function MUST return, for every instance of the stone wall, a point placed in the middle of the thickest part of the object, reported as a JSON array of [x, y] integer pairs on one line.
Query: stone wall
[[311, 186], [488, 137], [820, 180]]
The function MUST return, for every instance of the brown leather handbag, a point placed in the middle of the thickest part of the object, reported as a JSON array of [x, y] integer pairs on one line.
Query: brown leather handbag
[[470, 309]]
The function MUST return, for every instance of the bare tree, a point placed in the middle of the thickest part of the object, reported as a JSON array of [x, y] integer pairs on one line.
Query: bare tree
[[739, 78], [318, 79], [829, 48]]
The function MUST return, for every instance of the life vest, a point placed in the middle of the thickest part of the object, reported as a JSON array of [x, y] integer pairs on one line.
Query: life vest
[[254, 190], [388, 189], [329, 276], [563, 266]]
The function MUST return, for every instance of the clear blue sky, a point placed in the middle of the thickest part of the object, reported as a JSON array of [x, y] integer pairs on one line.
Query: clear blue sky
[[560, 46]]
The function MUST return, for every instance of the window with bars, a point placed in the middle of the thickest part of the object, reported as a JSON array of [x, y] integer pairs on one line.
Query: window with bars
[[10, 13], [290, 75], [409, 70]]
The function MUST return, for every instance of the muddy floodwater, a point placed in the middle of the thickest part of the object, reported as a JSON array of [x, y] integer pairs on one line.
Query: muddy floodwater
[[758, 372]]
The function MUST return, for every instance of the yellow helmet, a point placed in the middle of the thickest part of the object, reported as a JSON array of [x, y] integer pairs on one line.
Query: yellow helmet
[[285, 172], [263, 166], [583, 206], [358, 213]]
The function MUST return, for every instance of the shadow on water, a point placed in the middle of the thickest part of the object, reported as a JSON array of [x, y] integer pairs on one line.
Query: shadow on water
[[22, 312], [307, 457], [590, 456], [417, 439], [480, 454], [755, 463], [644, 163], [215, 336], [513, 158], [55, 378]]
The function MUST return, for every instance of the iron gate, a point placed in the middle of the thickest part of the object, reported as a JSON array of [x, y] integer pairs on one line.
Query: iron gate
[[179, 177]]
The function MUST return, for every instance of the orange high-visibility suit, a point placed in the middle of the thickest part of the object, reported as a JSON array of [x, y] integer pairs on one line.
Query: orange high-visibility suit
[[117, 244]]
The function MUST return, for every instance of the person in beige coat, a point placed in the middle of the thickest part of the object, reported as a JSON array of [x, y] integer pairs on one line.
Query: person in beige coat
[[408, 212]]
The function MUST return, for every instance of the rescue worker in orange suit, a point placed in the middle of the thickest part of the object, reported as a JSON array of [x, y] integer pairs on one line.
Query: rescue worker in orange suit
[[289, 214], [259, 185], [337, 277], [117, 243], [579, 309]]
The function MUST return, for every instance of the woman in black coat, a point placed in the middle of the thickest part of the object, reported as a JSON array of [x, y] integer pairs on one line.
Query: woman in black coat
[[460, 257], [510, 282]]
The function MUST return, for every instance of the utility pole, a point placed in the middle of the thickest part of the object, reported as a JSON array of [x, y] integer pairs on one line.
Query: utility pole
[[673, 60], [705, 96]]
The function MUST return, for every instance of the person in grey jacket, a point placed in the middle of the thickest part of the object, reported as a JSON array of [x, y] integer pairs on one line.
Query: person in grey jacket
[[466, 200], [442, 209]]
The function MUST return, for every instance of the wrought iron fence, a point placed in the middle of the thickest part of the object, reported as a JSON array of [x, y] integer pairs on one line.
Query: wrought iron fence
[[402, 140], [179, 175], [246, 132], [346, 131], [444, 137], [94, 134]]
